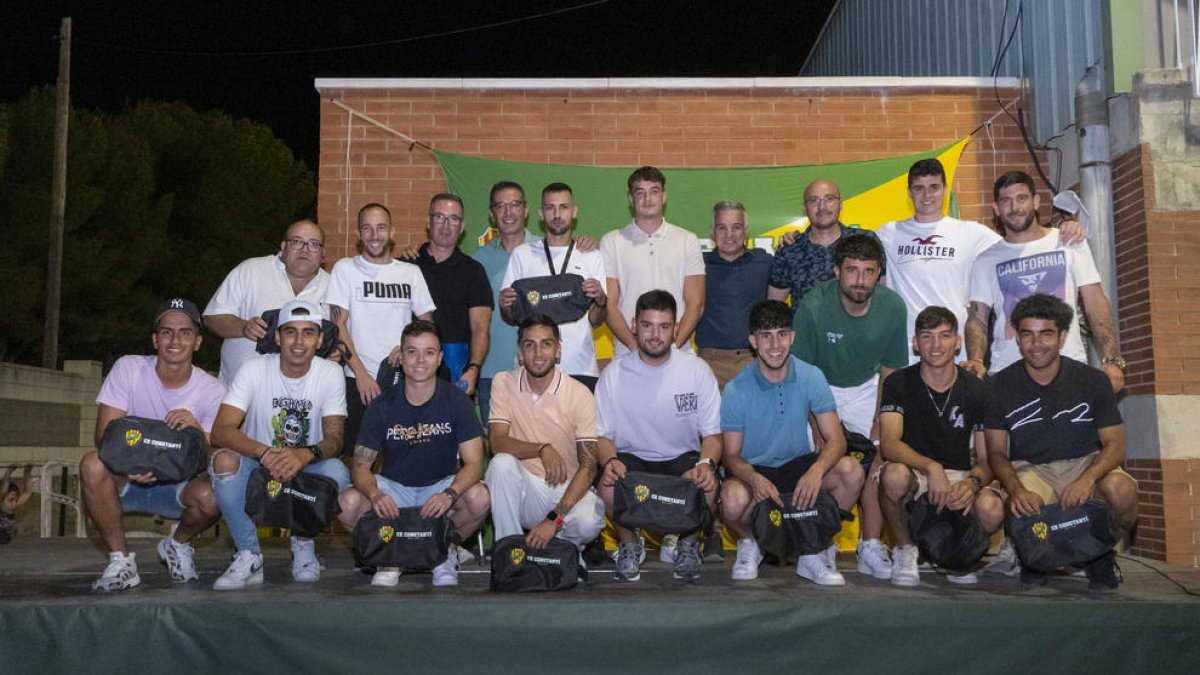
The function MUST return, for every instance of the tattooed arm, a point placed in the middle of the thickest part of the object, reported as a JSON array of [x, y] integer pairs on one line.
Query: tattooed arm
[[583, 479]]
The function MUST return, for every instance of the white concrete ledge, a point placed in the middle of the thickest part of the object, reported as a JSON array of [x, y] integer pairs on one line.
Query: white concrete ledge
[[324, 83]]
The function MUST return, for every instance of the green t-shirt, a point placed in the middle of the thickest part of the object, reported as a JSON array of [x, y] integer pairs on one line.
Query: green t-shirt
[[849, 350]]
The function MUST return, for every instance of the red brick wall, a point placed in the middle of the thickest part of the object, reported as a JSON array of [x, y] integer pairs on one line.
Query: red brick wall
[[631, 127]]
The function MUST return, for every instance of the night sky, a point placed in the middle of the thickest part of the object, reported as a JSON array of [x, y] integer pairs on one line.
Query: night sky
[[258, 59]]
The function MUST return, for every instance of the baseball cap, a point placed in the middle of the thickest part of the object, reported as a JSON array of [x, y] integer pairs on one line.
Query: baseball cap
[[300, 310], [178, 305]]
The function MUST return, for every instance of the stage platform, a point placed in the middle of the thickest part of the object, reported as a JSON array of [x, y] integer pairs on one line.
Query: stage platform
[[50, 622]]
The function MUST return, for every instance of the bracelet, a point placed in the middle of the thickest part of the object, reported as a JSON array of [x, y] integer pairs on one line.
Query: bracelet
[[452, 494], [542, 447], [316, 453], [978, 483], [606, 463]]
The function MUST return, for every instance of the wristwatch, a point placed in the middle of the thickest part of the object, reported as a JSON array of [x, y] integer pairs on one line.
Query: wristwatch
[[708, 461], [316, 453], [1118, 361], [556, 519]]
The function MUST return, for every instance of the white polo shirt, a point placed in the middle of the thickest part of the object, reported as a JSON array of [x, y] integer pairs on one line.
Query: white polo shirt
[[529, 260], [644, 262], [657, 412]]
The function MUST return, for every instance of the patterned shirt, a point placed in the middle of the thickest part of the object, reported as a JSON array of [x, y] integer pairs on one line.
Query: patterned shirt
[[803, 264]]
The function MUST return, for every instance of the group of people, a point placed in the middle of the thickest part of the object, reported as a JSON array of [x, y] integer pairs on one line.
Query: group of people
[[870, 349]]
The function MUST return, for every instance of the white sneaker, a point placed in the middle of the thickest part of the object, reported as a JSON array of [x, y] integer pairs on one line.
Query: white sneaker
[[745, 566], [246, 569], [962, 578], [813, 567], [305, 566], [873, 559], [120, 574], [1005, 563], [830, 555], [904, 566], [446, 574], [666, 550], [386, 577], [179, 558]]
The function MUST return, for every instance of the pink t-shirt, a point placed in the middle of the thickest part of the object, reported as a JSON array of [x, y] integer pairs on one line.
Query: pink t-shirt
[[133, 386]]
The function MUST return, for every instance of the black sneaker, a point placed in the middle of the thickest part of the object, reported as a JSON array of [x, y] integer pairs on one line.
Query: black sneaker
[[1103, 574], [1033, 578]]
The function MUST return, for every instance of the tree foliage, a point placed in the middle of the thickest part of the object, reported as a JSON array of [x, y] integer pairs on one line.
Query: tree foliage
[[162, 200]]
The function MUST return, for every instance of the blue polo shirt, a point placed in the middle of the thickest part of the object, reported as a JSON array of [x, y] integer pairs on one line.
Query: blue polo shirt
[[502, 338], [731, 288], [773, 418]]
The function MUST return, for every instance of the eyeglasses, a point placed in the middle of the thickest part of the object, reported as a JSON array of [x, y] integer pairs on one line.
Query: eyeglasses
[[443, 218], [511, 206], [828, 200], [305, 244]]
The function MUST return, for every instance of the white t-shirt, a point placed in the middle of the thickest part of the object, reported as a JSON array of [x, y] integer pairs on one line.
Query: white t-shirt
[[1006, 273], [529, 260], [930, 263], [382, 299], [644, 262], [253, 287], [282, 411], [133, 386], [657, 412]]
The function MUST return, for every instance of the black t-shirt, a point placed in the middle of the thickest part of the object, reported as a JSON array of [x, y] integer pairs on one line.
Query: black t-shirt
[[1058, 421], [456, 285], [944, 437], [419, 444]]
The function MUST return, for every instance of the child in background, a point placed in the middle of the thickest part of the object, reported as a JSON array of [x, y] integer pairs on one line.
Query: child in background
[[11, 499]]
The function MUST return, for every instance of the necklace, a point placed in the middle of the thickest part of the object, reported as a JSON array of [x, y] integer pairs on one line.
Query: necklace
[[941, 410]]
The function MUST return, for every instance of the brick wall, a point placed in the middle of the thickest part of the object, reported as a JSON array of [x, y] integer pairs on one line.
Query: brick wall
[[630, 127]]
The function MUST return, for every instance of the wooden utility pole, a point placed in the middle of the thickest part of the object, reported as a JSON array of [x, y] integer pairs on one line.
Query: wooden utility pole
[[58, 200]]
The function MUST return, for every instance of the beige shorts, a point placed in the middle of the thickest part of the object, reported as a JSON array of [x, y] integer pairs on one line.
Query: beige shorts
[[952, 475], [1049, 480]]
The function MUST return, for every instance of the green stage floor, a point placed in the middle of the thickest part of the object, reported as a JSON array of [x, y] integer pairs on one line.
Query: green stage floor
[[51, 622]]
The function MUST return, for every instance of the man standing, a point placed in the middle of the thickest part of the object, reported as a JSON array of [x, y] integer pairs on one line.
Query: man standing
[[460, 290], [929, 256], [853, 330], [557, 254], [285, 412], [736, 281], [647, 254], [372, 297], [164, 387], [767, 453], [929, 414], [658, 411], [235, 311], [422, 429], [543, 439], [808, 259], [1032, 259], [1054, 433]]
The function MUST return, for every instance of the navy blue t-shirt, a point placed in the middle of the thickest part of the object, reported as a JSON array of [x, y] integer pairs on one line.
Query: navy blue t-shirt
[[419, 444], [1060, 420]]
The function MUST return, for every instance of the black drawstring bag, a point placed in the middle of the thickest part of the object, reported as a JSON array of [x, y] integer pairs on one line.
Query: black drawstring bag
[[558, 295], [518, 568], [1058, 537], [305, 504], [860, 448], [666, 504], [405, 541], [135, 445], [388, 376], [787, 532], [330, 339], [950, 539]]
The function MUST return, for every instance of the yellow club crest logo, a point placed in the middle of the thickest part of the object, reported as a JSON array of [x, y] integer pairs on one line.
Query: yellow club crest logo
[[1040, 530], [856, 454], [386, 532], [775, 517], [533, 297], [132, 437], [273, 488], [517, 556], [641, 493]]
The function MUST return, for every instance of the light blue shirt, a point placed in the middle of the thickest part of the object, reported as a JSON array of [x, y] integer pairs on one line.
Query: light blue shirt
[[773, 418], [502, 338]]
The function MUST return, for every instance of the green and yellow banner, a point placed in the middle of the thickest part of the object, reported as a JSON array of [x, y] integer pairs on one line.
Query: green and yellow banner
[[873, 192]]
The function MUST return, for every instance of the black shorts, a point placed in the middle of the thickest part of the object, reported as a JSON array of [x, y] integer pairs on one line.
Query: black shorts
[[785, 477], [671, 467]]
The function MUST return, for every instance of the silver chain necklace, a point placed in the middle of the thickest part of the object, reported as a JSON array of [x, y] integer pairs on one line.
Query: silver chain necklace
[[941, 410]]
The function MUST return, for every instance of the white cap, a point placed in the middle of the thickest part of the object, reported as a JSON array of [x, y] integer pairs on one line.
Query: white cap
[[300, 310]]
